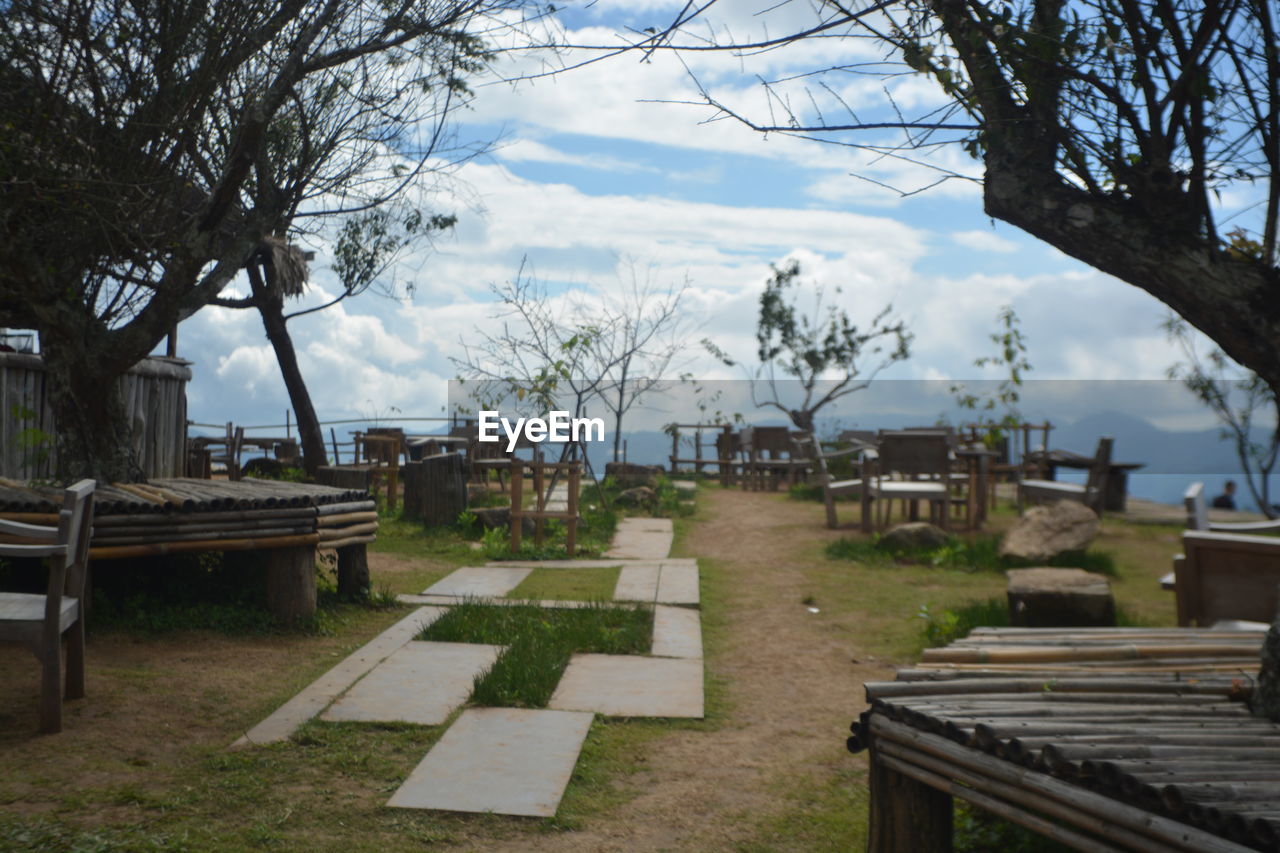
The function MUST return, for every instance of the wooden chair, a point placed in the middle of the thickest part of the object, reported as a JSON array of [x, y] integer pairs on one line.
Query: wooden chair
[[911, 466], [230, 455], [39, 621], [1091, 494], [809, 445], [1226, 576]]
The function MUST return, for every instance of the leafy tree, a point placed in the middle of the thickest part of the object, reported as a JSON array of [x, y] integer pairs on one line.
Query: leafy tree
[[1238, 402], [824, 353], [368, 244], [1011, 359], [1111, 129], [150, 149]]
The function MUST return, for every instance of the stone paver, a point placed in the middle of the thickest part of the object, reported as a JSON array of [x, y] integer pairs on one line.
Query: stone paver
[[316, 697], [677, 632], [638, 582], [513, 761], [641, 539], [478, 582], [684, 485], [678, 584], [631, 686], [421, 683]]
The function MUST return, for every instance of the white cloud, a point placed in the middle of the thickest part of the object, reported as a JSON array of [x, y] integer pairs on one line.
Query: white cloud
[[984, 241]]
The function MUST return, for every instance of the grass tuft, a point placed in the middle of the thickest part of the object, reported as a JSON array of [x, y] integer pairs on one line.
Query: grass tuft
[[539, 642], [981, 554]]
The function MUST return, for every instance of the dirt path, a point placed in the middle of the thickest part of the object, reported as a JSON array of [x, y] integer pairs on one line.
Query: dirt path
[[792, 683]]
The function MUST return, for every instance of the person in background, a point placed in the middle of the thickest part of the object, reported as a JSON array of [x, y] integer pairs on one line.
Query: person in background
[[1226, 500]]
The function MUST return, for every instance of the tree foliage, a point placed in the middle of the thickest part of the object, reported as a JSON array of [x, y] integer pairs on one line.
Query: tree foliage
[[825, 354], [148, 149]]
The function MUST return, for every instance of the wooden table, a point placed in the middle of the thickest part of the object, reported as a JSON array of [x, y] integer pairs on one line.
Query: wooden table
[[1117, 475], [1103, 739]]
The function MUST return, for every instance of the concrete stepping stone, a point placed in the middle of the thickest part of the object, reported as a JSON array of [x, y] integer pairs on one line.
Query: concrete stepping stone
[[677, 584], [677, 632], [320, 693], [513, 761], [478, 582], [631, 686], [641, 539], [420, 683], [638, 582], [684, 485]]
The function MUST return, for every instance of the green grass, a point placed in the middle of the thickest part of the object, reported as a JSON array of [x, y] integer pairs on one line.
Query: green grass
[[977, 554], [539, 642], [568, 585]]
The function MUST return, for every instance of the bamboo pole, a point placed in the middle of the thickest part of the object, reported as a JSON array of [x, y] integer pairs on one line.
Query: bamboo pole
[[328, 534], [1040, 654], [893, 689], [345, 507], [119, 552], [339, 519], [342, 543]]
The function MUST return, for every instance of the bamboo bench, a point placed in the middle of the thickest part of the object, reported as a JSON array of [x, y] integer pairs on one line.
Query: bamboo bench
[[1101, 739], [288, 521]]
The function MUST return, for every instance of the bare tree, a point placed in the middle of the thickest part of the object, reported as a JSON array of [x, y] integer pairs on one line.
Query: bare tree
[[157, 146], [643, 333], [574, 351], [1238, 401], [822, 351]]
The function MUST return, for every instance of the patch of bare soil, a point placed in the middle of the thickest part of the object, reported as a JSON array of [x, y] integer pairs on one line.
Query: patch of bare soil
[[793, 681]]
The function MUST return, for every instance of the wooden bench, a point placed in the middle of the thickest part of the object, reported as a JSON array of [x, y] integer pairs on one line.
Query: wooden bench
[[1226, 576], [1092, 494]]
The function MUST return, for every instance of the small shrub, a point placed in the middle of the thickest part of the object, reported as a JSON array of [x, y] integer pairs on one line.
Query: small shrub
[[805, 492], [950, 625]]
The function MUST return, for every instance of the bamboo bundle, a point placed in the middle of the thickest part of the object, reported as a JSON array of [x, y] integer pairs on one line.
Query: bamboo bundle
[[1138, 741], [1022, 788]]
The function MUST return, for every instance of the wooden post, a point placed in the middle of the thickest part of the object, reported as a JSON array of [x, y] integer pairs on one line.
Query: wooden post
[[697, 451], [675, 449], [353, 571], [517, 499], [291, 582], [571, 533], [539, 503], [906, 816]]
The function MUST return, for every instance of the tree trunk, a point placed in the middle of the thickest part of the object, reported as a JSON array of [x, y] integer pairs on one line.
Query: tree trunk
[[271, 307], [95, 438]]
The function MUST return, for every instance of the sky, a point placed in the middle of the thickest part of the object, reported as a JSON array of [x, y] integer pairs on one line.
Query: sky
[[600, 176]]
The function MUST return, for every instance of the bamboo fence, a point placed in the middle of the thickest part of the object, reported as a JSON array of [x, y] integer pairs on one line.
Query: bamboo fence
[[1153, 750]]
